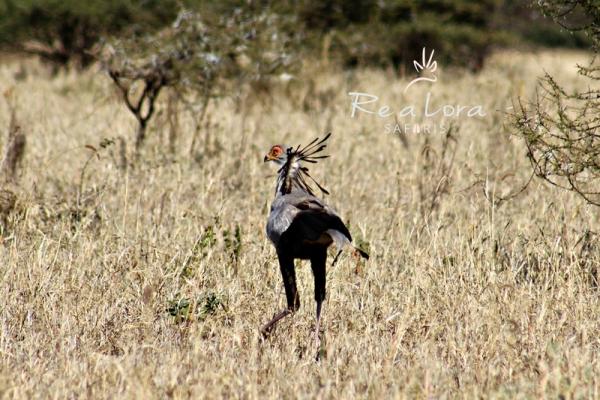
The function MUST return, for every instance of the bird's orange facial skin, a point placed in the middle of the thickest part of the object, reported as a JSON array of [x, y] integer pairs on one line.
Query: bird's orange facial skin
[[274, 153]]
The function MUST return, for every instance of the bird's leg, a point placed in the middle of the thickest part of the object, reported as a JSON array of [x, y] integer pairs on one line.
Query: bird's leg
[[317, 334], [318, 263], [288, 273]]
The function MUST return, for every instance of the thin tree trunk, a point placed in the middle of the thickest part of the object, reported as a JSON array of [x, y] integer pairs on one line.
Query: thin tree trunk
[[141, 135]]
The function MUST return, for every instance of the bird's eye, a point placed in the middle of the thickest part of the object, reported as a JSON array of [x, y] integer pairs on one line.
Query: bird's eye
[[276, 151]]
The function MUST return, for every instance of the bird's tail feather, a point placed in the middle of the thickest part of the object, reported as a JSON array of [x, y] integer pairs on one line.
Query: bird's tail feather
[[339, 238], [342, 241]]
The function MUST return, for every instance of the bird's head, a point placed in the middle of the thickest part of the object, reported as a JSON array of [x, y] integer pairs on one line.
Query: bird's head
[[277, 154], [291, 173]]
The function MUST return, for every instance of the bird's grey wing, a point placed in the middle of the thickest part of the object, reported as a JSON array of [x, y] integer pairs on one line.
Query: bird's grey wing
[[281, 216]]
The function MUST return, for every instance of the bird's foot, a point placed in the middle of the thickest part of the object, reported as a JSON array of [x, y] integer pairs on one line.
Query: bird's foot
[[269, 326], [265, 331]]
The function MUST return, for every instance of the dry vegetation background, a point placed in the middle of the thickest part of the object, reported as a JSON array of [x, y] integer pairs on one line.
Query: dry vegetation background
[[152, 281]]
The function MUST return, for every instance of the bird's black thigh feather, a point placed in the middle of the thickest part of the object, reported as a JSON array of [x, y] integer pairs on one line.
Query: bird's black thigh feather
[[288, 273]]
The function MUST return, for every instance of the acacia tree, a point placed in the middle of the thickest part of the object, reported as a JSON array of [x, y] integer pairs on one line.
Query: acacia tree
[[201, 56], [561, 129], [153, 77]]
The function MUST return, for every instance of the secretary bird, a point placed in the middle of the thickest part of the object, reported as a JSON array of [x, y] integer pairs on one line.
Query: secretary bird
[[302, 226]]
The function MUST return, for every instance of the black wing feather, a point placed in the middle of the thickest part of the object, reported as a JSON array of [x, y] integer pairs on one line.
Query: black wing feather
[[312, 223]]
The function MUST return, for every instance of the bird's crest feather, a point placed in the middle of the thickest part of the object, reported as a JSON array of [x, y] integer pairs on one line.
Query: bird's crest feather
[[298, 176]]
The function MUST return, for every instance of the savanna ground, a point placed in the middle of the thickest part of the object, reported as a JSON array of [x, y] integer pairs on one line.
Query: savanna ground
[[152, 280]]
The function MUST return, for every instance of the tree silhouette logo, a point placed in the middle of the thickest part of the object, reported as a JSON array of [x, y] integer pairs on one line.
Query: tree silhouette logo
[[426, 65]]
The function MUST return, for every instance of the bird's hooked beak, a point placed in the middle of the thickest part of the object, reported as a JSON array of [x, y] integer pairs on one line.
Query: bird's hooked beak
[[271, 157]]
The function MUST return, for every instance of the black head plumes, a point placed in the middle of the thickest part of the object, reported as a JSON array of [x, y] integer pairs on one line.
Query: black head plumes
[[293, 174]]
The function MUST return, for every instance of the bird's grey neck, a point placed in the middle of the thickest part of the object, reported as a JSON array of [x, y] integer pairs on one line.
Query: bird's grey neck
[[286, 180]]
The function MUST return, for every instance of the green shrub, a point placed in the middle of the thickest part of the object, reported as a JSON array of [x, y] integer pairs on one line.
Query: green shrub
[[364, 32], [394, 32], [65, 30]]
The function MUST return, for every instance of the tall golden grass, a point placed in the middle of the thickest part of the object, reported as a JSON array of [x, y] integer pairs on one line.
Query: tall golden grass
[[123, 277]]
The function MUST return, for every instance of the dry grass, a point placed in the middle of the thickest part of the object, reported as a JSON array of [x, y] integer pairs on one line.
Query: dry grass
[[463, 296]]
